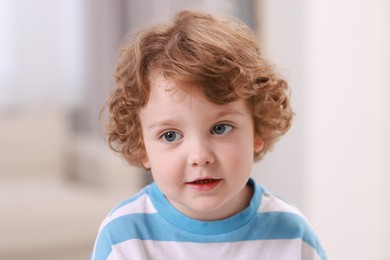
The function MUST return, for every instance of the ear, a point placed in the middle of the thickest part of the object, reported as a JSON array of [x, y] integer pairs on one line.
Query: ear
[[258, 144], [145, 162]]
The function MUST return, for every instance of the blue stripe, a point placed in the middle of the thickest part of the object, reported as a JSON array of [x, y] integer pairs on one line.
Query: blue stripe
[[185, 223], [265, 226]]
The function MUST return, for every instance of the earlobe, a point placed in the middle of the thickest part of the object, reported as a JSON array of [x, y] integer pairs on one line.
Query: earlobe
[[145, 162], [258, 144]]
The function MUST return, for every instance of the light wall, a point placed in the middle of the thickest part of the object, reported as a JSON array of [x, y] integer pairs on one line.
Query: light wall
[[336, 56]]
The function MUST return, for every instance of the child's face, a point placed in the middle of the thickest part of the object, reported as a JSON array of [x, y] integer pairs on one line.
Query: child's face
[[200, 153]]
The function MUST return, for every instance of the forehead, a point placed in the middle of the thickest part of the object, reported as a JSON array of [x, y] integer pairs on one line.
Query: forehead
[[168, 98], [163, 87]]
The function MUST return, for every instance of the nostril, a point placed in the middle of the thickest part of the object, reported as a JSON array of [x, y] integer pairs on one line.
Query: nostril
[[201, 163], [200, 158]]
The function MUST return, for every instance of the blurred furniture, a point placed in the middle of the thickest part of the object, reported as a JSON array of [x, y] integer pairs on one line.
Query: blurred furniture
[[55, 187]]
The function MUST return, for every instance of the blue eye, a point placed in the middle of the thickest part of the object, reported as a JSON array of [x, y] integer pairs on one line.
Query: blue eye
[[171, 136], [221, 129]]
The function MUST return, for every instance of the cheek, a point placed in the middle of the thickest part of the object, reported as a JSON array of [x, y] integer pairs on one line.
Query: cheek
[[163, 163], [238, 154], [168, 174]]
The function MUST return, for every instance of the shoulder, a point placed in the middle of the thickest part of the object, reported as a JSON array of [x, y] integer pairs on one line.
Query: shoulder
[[123, 223], [140, 203], [282, 215], [280, 219], [128, 213], [273, 203], [268, 202]]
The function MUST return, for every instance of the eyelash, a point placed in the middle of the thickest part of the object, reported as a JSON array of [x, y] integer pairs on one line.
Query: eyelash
[[163, 136], [176, 136]]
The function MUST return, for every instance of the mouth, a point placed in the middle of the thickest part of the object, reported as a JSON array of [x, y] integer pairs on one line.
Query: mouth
[[204, 184], [203, 181]]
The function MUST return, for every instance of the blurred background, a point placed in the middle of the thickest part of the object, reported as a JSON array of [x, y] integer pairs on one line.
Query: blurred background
[[58, 178]]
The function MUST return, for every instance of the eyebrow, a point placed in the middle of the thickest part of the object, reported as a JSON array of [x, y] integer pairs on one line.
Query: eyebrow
[[170, 122], [161, 123], [229, 113]]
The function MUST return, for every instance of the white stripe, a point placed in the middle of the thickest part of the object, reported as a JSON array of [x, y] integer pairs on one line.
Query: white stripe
[[271, 203], [142, 204], [294, 249], [309, 252]]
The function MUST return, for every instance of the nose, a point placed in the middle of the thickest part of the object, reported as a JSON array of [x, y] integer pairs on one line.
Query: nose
[[200, 153]]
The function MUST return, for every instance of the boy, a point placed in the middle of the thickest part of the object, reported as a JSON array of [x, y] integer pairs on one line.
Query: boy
[[196, 104]]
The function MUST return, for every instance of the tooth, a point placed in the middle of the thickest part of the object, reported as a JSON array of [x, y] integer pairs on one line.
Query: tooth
[[205, 181]]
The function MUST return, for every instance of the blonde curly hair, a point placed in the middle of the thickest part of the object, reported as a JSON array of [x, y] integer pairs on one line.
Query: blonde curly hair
[[220, 56]]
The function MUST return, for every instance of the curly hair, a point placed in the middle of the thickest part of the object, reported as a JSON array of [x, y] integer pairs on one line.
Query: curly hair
[[220, 56]]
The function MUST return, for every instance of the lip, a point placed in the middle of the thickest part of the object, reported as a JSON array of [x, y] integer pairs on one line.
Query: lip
[[203, 185]]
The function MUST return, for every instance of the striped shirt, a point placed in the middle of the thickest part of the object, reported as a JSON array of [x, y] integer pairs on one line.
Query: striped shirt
[[147, 226]]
